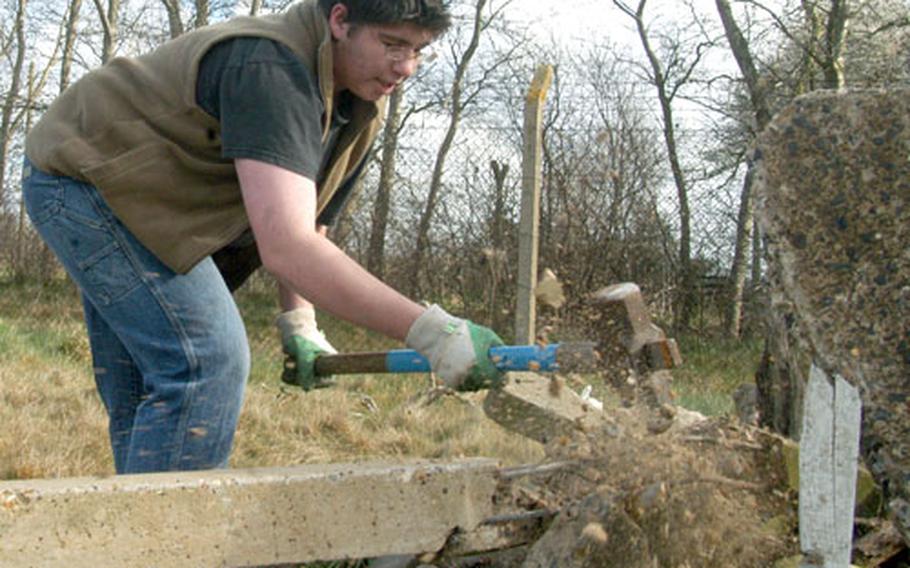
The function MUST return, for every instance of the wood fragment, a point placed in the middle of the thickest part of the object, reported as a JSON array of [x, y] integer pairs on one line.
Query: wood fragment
[[828, 458], [722, 442], [536, 469]]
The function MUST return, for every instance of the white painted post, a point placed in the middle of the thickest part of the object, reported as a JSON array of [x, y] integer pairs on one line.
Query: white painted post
[[828, 460], [528, 232]]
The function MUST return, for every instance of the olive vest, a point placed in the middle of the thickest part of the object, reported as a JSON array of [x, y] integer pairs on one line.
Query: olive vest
[[132, 129]]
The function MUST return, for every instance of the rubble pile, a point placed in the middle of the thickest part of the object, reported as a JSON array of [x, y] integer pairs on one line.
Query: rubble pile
[[713, 493]]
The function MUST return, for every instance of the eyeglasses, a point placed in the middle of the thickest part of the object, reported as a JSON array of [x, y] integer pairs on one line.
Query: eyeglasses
[[399, 53]]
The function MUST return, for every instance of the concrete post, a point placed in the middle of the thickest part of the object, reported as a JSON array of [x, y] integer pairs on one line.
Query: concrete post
[[253, 517], [528, 233]]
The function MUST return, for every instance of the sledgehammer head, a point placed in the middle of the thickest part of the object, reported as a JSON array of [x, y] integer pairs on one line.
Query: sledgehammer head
[[628, 322], [629, 343]]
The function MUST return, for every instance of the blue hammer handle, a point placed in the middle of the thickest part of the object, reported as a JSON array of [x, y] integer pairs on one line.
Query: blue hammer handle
[[505, 358]]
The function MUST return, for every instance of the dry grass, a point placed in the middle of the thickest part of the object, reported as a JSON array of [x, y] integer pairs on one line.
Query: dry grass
[[54, 424], [364, 421]]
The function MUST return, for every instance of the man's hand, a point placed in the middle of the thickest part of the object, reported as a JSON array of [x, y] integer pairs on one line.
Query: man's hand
[[302, 342], [458, 350]]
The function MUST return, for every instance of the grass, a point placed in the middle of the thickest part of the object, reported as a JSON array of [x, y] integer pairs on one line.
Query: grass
[[47, 392], [712, 370], [47, 370], [54, 424]]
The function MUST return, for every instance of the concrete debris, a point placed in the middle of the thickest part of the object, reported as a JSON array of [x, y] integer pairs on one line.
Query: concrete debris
[[549, 290]]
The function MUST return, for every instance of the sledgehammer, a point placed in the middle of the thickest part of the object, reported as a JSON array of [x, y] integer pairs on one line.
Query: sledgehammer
[[555, 357]]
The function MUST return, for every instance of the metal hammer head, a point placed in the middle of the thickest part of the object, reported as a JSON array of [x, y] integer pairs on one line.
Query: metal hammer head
[[626, 317], [630, 347]]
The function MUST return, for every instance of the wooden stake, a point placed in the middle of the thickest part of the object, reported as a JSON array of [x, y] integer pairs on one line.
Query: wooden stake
[[828, 459]]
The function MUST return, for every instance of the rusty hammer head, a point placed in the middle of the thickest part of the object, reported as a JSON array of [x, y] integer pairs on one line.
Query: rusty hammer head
[[626, 319], [629, 346]]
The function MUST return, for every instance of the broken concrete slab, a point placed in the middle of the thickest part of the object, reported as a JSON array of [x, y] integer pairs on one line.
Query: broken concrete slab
[[251, 517], [540, 408]]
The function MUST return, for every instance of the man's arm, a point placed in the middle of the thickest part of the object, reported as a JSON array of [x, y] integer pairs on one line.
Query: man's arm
[[290, 300], [281, 207]]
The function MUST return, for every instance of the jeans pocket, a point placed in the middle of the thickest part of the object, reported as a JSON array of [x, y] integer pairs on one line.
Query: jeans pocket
[[109, 274], [84, 236], [42, 194]]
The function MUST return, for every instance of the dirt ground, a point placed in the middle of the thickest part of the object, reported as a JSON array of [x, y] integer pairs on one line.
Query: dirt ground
[[713, 493]]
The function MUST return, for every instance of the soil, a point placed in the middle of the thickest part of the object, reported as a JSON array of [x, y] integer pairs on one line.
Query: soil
[[709, 494]]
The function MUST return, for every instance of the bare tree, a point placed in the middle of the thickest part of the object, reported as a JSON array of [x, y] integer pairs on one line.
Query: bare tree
[[12, 96], [761, 111], [668, 82], [495, 256], [343, 230], [19, 260], [818, 34], [835, 38], [174, 20], [878, 43], [380, 220], [110, 21], [602, 168], [202, 13], [69, 43], [176, 26], [457, 102]]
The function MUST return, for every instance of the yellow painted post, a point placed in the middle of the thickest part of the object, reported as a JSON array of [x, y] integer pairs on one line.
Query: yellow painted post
[[529, 233]]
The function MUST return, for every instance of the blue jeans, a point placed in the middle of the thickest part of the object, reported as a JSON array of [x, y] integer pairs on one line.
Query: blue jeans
[[169, 350]]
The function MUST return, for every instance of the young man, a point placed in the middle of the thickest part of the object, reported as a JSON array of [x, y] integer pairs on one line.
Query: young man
[[160, 181]]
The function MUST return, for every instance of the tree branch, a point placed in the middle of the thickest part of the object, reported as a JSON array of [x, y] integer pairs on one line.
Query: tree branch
[[102, 15]]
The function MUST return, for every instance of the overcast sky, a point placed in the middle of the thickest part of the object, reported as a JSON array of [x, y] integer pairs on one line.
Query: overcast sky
[[580, 20]]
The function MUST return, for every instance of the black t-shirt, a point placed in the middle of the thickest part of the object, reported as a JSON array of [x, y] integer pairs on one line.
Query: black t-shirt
[[270, 110]]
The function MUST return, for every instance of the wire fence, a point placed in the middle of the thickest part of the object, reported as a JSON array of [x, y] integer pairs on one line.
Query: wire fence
[[596, 228]]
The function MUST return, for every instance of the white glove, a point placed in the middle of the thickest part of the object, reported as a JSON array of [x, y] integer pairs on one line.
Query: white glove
[[456, 348], [302, 322]]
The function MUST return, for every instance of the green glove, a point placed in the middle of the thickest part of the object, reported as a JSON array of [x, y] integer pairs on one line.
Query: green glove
[[302, 342], [458, 350], [300, 364], [483, 374]]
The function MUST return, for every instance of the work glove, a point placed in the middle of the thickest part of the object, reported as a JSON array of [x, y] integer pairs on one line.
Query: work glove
[[458, 350], [302, 342]]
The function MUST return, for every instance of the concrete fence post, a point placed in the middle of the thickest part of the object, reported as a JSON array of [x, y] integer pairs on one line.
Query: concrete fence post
[[528, 233], [244, 517]]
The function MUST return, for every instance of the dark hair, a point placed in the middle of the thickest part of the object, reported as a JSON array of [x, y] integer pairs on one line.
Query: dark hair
[[432, 15]]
